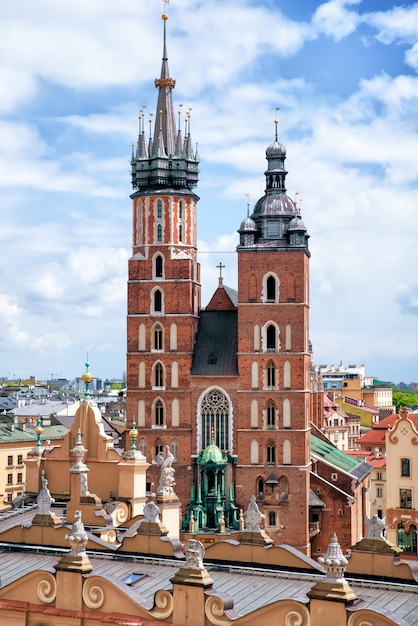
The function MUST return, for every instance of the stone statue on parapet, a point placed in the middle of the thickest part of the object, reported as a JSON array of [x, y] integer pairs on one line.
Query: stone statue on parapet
[[375, 527], [78, 537], [167, 482], [253, 516], [44, 498], [194, 554]]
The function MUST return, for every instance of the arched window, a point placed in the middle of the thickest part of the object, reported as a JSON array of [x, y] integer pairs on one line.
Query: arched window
[[271, 414], [141, 414], [159, 232], [287, 422], [180, 210], [142, 446], [159, 209], [287, 452], [180, 233], [260, 487], [254, 452], [215, 419], [158, 337], [175, 449], [159, 413], [158, 375], [271, 374], [158, 447], [271, 289], [271, 453], [158, 301], [283, 489], [407, 540], [271, 337], [159, 266], [272, 518]]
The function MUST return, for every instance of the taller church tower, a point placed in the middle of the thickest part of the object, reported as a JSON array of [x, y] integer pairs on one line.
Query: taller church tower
[[163, 282]]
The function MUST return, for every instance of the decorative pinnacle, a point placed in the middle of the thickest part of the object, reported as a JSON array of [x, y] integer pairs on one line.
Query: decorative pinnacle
[[276, 123], [39, 430], [87, 379], [133, 433], [334, 560]]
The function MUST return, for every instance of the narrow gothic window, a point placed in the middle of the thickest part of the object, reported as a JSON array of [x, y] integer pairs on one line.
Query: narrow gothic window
[[158, 338], [180, 233], [271, 374], [271, 288], [271, 453], [271, 414], [283, 489], [159, 413], [180, 210], [159, 232], [271, 337], [260, 487], [158, 447], [159, 375], [175, 449], [158, 301], [159, 209], [215, 419], [272, 518], [159, 266]]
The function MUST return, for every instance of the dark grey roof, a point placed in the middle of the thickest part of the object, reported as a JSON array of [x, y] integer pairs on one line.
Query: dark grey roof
[[216, 346], [315, 500], [250, 588]]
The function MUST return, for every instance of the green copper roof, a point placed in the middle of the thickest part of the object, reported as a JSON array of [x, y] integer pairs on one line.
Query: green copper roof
[[339, 459], [212, 454]]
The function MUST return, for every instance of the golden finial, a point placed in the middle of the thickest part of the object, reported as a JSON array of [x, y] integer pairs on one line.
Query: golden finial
[[164, 15], [248, 204], [276, 121]]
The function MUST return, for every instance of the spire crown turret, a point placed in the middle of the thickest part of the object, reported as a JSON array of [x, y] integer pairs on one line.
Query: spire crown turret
[[168, 161]]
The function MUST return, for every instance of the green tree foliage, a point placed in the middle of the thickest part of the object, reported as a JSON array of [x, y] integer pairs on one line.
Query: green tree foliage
[[400, 398]]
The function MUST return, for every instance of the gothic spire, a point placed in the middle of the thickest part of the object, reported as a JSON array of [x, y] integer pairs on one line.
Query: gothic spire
[[168, 160], [164, 118]]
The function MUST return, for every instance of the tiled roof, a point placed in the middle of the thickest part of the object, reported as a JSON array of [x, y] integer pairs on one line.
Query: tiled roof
[[216, 346]]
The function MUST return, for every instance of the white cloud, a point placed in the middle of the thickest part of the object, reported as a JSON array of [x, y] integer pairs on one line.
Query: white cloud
[[334, 20]]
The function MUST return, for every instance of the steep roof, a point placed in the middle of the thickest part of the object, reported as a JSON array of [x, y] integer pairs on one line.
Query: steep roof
[[340, 460], [224, 299], [216, 345]]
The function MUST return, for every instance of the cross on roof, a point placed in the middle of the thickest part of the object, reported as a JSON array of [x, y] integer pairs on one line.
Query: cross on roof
[[220, 267]]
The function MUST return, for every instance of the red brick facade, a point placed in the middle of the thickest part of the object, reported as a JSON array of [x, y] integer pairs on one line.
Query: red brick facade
[[269, 391]]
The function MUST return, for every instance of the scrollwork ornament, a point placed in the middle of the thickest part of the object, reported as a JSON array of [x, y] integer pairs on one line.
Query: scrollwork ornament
[[47, 590], [164, 604], [120, 514], [93, 595], [215, 611], [358, 620], [294, 618]]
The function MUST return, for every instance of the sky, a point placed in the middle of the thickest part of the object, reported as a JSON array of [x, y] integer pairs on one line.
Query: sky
[[73, 76]]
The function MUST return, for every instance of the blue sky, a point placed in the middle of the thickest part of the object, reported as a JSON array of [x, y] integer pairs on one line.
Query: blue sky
[[73, 76]]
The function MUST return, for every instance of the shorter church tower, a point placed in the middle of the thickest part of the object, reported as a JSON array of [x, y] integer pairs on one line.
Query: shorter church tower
[[272, 424]]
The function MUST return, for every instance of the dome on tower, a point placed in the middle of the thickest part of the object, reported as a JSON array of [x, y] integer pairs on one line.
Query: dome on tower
[[296, 224], [274, 204], [275, 150], [247, 226]]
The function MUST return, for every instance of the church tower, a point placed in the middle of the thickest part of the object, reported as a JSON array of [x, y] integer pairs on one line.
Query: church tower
[[164, 281], [273, 414]]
